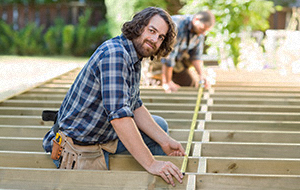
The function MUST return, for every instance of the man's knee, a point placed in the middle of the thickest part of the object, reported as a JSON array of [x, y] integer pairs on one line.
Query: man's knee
[[161, 122]]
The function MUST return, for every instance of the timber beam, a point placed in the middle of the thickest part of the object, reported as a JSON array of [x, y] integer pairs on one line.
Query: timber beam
[[246, 137]]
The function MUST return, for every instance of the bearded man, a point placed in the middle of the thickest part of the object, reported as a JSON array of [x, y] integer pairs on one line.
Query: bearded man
[[102, 112]]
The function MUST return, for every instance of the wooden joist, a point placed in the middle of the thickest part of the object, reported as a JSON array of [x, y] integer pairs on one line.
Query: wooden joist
[[252, 125], [31, 159], [254, 166], [22, 178], [246, 137], [30, 178]]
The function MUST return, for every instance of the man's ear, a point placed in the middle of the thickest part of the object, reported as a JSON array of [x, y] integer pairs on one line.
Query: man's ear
[[196, 21]]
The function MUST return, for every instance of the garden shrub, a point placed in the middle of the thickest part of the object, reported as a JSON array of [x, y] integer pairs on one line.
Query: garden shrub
[[59, 39], [53, 38], [29, 41], [88, 38], [6, 38], [67, 39]]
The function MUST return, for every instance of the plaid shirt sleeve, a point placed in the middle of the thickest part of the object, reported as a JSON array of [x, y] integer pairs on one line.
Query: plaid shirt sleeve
[[197, 51], [116, 84]]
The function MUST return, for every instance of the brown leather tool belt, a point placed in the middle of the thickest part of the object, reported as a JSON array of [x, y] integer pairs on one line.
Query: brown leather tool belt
[[74, 156]]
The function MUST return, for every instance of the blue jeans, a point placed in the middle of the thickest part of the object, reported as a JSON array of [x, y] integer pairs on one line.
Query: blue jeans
[[152, 145]]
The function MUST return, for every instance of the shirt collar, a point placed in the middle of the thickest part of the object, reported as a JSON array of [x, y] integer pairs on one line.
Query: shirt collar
[[189, 22], [128, 44]]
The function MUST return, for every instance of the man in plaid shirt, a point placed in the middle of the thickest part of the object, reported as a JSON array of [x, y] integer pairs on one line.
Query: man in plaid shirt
[[103, 104], [187, 51]]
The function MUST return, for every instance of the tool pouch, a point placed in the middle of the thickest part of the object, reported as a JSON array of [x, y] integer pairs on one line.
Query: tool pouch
[[73, 156], [56, 150], [183, 63]]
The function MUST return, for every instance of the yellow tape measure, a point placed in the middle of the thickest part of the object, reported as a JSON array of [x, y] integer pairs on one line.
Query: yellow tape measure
[[58, 138], [193, 125]]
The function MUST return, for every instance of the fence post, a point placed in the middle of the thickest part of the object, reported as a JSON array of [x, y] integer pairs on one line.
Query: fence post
[[64, 12], [31, 13], [75, 10], [21, 16], [9, 11], [74, 14], [43, 15], [52, 13], [1, 12]]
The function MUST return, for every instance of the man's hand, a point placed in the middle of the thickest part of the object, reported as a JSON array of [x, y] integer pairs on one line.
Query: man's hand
[[173, 148], [204, 82], [166, 170], [170, 87], [207, 84], [145, 123]]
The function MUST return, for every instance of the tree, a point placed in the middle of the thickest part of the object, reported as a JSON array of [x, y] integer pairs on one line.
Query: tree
[[232, 17], [119, 12]]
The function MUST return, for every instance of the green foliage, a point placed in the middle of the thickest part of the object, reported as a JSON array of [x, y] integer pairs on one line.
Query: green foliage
[[29, 41], [59, 39], [171, 6], [68, 39], [117, 13], [232, 17], [6, 37], [53, 37], [78, 40], [142, 4], [87, 38]]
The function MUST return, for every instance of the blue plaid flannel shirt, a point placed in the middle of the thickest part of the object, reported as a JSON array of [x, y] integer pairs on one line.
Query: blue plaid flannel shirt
[[196, 43], [105, 89]]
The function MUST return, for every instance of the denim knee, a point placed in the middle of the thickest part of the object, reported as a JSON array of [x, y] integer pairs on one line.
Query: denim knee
[[161, 122]]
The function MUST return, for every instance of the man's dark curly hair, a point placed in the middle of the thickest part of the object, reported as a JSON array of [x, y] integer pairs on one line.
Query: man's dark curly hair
[[134, 28], [206, 17]]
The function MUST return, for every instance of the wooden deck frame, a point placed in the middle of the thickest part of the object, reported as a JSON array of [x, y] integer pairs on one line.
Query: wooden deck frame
[[29, 159], [246, 138], [36, 108], [229, 165], [22, 178]]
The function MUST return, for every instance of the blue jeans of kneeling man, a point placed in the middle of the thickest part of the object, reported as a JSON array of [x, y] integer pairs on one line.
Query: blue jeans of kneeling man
[[152, 145]]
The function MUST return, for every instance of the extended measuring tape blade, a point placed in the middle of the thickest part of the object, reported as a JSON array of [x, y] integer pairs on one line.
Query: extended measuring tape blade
[[192, 129]]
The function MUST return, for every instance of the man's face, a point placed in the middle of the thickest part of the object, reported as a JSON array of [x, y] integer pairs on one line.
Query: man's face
[[200, 27], [152, 37]]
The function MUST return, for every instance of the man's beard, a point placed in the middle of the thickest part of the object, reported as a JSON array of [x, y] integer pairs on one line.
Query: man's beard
[[142, 50]]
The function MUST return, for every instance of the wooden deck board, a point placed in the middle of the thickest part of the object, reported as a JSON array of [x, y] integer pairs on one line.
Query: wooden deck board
[[19, 178], [16, 178], [254, 166], [246, 137], [246, 182]]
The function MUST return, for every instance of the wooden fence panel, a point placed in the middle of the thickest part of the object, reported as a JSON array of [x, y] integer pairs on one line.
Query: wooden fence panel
[[20, 15]]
